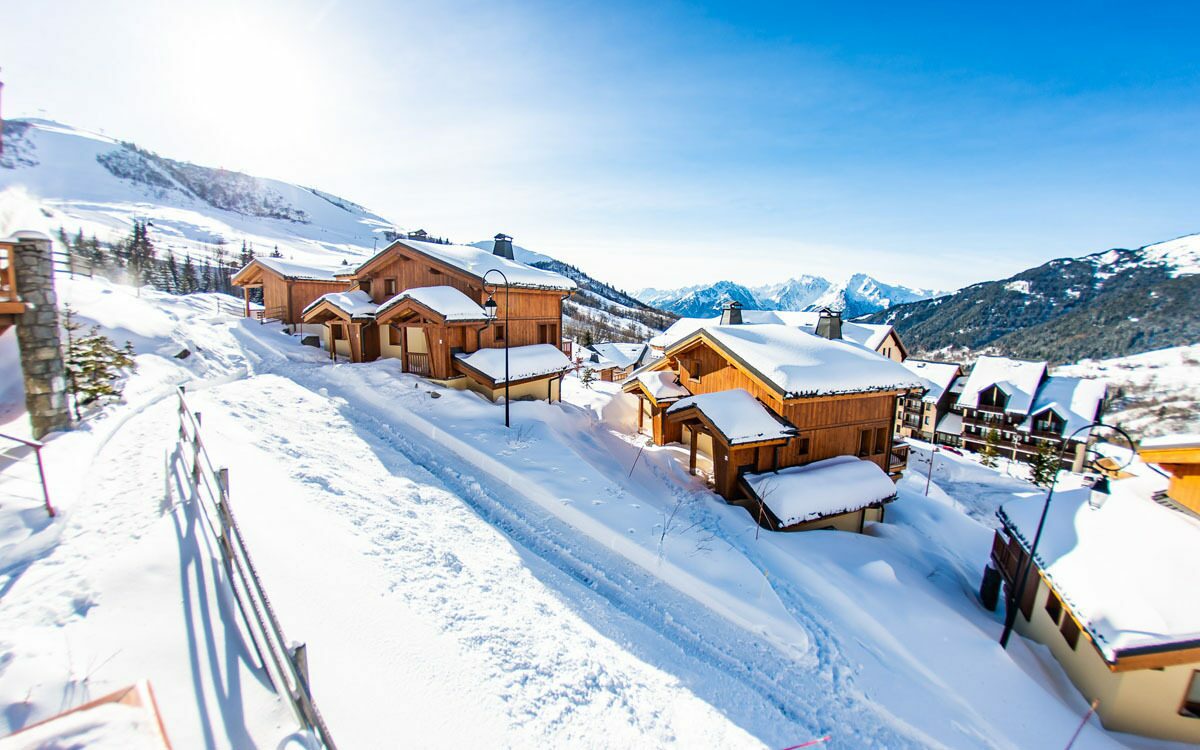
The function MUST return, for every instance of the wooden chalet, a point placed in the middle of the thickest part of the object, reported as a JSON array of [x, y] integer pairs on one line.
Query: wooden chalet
[[1110, 595], [758, 399], [423, 303], [10, 300], [1179, 456], [919, 412], [287, 287], [613, 362]]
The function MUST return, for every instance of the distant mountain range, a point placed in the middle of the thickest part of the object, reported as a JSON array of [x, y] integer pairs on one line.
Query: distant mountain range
[[859, 295], [1108, 304], [82, 181]]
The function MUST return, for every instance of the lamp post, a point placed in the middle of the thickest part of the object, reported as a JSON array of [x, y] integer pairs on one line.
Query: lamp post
[[1014, 603], [489, 308]]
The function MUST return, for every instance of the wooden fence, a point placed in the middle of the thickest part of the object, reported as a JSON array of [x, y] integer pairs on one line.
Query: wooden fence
[[286, 666]]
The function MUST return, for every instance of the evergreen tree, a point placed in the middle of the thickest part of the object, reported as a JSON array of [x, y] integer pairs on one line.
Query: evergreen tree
[[991, 448], [94, 364], [275, 253], [247, 254], [187, 276], [173, 273], [95, 254], [1045, 464], [588, 377]]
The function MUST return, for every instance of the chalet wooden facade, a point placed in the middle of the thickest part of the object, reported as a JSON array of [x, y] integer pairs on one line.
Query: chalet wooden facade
[[1179, 456], [10, 300], [423, 303], [287, 287], [840, 402]]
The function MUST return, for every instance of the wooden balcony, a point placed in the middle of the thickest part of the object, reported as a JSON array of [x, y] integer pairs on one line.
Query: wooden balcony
[[898, 460], [10, 302], [418, 363]]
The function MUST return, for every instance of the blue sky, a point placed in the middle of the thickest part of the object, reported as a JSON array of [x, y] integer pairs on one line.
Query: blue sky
[[931, 144]]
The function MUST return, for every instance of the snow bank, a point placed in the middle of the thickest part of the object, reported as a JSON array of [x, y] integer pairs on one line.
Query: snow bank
[[737, 415], [823, 488]]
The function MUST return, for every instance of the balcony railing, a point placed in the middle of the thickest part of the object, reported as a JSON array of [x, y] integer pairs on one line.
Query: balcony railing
[[898, 459], [418, 364], [8, 275]]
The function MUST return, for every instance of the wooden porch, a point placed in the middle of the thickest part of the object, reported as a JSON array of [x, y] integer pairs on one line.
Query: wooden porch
[[10, 304]]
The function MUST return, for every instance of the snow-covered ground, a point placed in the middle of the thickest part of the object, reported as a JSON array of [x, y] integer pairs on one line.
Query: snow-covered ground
[[557, 584], [1158, 392]]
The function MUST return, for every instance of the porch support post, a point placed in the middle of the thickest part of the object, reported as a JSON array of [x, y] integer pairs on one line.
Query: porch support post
[[692, 450], [641, 412], [332, 340], [246, 297]]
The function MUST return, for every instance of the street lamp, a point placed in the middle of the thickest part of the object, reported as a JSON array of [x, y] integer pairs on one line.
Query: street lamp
[[489, 309], [1014, 603]]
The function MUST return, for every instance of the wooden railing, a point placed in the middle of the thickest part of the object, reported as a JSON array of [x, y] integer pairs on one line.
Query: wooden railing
[[418, 364], [899, 457], [8, 274], [265, 314], [285, 665]]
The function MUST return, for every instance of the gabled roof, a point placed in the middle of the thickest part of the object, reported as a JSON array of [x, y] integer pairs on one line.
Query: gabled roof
[[447, 302], [356, 304], [621, 355], [841, 484], [938, 376], [796, 364], [660, 385], [950, 424], [1076, 400], [290, 270], [475, 263], [737, 416], [1019, 379], [870, 335]]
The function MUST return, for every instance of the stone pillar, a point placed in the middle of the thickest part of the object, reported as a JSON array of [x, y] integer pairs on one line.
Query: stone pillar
[[39, 337]]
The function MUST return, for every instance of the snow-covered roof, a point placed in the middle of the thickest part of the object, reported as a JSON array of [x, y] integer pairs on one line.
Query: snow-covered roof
[[823, 488], [356, 304], [662, 385], [478, 262], [292, 270], [1168, 442], [801, 364], [620, 354], [1018, 378], [950, 424], [956, 388], [938, 376], [523, 362], [738, 415], [1123, 568], [870, 335], [447, 301], [1076, 400]]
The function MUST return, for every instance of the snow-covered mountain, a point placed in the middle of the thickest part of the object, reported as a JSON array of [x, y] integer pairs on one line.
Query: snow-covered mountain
[[89, 182], [858, 295], [1112, 303]]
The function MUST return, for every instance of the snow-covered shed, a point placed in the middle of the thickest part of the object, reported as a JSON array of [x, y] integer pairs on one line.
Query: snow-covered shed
[[288, 287], [843, 493], [533, 372]]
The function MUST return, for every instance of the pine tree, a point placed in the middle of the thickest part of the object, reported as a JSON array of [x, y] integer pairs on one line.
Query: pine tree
[[275, 253], [95, 253], [588, 377], [173, 273], [94, 364], [1044, 468], [991, 448], [187, 276], [247, 254]]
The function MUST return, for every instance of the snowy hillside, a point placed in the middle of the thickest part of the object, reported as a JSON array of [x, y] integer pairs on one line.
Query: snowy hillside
[[560, 584], [1157, 393], [858, 295], [83, 181]]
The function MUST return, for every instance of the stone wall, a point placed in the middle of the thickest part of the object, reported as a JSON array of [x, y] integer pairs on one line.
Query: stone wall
[[39, 337]]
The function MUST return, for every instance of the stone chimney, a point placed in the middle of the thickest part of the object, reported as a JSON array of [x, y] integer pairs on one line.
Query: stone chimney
[[731, 313], [38, 336], [503, 246], [829, 325]]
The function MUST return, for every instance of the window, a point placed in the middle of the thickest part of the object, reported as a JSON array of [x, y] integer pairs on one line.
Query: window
[[389, 287], [1070, 631], [693, 368], [1191, 699], [926, 420], [547, 333], [499, 334], [864, 443], [1054, 606], [394, 335], [339, 331], [880, 439], [801, 446], [365, 285]]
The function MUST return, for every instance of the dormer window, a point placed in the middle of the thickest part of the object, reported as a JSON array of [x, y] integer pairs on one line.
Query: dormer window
[[994, 398], [1048, 422]]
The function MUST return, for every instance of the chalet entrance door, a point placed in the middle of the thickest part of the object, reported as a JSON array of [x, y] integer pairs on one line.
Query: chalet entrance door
[[416, 351]]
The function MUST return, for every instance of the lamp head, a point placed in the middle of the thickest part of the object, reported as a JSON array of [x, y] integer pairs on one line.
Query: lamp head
[[489, 307]]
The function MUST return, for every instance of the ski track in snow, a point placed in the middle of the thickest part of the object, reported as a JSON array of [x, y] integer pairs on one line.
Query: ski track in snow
[[805, 702]]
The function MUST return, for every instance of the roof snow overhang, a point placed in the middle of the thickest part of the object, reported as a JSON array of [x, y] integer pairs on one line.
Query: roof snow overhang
[[407, 251]]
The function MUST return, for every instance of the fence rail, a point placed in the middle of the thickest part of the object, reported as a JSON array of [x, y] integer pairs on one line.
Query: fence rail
[[37, 452], [73, 264], [285, 666]]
